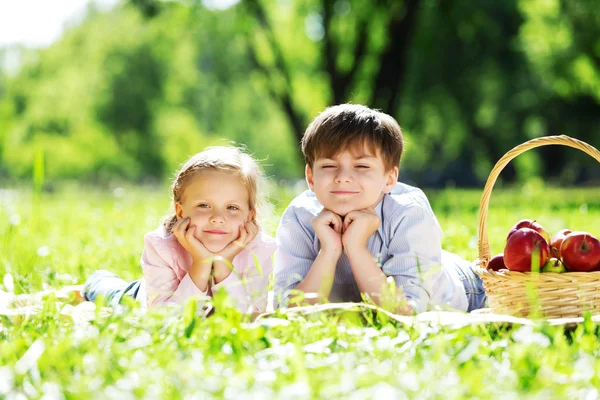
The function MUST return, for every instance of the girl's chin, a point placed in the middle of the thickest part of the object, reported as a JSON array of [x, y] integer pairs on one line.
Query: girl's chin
[[214, 247]]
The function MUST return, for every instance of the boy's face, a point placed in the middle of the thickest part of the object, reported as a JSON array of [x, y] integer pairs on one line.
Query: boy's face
[[351, 180]]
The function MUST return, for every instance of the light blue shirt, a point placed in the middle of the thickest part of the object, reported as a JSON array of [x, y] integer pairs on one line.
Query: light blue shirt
[[408, 245]]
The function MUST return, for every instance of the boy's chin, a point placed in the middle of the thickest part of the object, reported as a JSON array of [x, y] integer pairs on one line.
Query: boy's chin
[[341, 211]]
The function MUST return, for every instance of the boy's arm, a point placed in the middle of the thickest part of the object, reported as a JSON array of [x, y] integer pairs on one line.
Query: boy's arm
[[358, 227], [371, 280], [319, 278], [415, 256], [297, 265]]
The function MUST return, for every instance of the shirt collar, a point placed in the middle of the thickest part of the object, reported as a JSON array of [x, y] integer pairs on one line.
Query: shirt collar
[[379, 211]]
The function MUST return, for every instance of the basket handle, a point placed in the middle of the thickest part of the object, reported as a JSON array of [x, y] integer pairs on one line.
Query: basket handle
[[484, 246]]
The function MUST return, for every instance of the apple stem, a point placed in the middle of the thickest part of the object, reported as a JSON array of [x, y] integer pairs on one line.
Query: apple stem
[[584, 245]]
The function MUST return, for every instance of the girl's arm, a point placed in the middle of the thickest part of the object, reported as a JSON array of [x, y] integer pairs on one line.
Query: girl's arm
[[163, 284], [248, 283]]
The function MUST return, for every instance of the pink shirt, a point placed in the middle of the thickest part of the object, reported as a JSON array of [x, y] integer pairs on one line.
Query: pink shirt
[[166, 264]]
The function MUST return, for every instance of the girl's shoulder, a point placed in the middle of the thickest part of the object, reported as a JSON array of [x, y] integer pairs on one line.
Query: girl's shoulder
[[160, 236], [262, 241]]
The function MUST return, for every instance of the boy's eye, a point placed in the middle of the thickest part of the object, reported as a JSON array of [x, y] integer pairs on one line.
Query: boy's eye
[[203, 205], [362, 166], [328, 166]]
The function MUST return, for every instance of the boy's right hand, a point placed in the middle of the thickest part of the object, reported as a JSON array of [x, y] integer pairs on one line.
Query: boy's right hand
[[328, 227], [185, 235]]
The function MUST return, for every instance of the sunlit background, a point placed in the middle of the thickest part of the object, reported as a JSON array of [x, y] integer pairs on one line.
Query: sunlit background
[[108, 90]]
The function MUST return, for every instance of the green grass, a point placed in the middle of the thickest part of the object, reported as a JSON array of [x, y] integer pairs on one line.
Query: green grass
[[178, 354]]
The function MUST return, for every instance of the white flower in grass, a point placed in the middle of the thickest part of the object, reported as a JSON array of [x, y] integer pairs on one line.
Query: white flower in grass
[[118, 192], [298, 390], [14, 219], [527, 335], [30, 358], [7, 380], [43, 251], [9, 283], [52, 391]]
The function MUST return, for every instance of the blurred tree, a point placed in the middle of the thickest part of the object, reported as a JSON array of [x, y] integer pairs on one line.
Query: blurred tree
[[123, 96], [135, 91], [561, 40], [460, 76], [362, 50]]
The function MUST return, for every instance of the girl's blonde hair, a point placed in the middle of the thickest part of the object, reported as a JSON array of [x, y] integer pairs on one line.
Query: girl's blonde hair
[[221, 158]]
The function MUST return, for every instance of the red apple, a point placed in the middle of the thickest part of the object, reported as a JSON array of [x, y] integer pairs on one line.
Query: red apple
[[520, 248], [557, 240], [554, 265], [497, 262], [580, 251], [531, 224]]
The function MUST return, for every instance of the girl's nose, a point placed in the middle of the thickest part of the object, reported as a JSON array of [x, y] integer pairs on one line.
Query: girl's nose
[[217, 218]]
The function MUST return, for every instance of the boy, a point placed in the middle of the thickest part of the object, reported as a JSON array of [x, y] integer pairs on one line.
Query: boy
[[357, 225]]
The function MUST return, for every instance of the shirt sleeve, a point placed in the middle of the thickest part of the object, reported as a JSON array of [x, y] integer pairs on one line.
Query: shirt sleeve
[[415, 255], [294, 256], [250, 287], [162, 283]]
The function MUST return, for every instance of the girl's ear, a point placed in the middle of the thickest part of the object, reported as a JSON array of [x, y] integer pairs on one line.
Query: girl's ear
[[251, 215], [391, 179], [178, 210], [309, 177]]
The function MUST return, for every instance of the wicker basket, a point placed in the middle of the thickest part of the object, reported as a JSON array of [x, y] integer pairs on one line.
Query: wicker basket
[[523, 294]]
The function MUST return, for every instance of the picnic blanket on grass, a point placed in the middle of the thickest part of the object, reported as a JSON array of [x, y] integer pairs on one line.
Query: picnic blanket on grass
[[12, 305]]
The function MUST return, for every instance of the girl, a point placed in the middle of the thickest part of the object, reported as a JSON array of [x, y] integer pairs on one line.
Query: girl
[[210, 242]]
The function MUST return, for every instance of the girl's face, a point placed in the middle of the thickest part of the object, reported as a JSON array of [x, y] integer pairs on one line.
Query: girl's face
[[218, 205]]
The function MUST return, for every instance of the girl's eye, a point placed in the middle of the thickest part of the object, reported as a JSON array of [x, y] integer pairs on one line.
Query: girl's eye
[[235, 208], [203, 205]]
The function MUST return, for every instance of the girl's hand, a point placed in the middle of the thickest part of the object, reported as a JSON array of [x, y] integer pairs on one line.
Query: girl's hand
[[247, 233], [224, 266], [185, 235]]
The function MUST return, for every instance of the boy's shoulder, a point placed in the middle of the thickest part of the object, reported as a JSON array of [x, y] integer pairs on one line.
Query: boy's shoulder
[[405, 199], [407, 195], [305, 205]]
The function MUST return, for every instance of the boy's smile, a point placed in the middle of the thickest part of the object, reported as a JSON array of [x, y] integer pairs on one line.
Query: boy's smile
[[353, 179], [344, 192]]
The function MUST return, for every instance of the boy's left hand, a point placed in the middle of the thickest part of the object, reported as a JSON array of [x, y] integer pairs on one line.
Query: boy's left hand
[[358, 226]]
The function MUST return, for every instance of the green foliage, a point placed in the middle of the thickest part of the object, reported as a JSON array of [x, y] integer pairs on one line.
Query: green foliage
[[121, 96], [131, 93]]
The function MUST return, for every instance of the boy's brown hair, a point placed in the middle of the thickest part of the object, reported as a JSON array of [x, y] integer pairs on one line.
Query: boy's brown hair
[[347, 126]]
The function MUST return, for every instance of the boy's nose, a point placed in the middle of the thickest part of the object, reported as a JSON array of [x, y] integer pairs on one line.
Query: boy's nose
[[343, 176]]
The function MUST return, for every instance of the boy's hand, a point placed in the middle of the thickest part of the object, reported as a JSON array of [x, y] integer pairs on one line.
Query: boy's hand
[[185, 235], [328, 227], [358, 226]]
